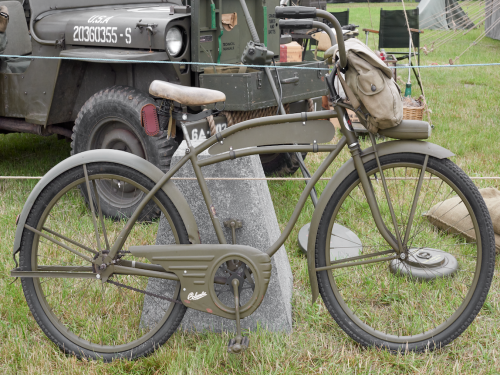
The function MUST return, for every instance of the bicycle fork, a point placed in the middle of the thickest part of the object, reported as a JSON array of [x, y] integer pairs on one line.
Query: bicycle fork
[[354, 148]]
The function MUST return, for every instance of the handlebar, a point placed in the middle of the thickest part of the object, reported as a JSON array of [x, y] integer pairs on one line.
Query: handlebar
[[310, 12], [295, 24], [307, 24], [295, 12]]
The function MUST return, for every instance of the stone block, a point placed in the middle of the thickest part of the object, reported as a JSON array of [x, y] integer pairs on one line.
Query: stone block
[[247, 200]]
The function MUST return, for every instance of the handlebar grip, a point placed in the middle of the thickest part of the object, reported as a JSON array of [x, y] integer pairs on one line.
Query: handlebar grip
[[296, 24], [295, 12]]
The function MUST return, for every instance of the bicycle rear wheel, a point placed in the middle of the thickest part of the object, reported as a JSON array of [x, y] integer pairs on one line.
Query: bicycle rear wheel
[[430, 297], [82, 315]]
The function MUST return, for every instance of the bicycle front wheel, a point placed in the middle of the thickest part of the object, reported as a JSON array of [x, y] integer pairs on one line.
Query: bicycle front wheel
[[427, 296], [126, 317]]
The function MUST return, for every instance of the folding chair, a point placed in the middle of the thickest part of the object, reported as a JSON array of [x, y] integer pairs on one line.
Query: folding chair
[[342, 17], [393, 33]]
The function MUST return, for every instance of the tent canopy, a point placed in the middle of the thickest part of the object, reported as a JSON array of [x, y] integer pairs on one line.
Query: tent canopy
[[443, 15], [492, 24]]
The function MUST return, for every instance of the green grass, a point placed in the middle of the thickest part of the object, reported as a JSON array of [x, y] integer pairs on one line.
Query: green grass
[[466, 122]]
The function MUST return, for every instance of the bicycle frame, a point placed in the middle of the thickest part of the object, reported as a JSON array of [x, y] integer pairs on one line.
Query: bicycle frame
[[359, 157], [349, 138]]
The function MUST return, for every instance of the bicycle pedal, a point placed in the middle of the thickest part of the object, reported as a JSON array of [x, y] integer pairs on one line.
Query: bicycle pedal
[[238, 345]]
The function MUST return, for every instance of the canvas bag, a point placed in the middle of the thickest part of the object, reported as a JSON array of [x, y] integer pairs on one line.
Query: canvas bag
[[451, 215], [370, 81]]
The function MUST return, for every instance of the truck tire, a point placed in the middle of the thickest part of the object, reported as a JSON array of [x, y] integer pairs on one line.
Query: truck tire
[[280, 165], [110, 119]]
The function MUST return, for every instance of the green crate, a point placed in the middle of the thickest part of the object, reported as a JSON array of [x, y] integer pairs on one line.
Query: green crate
[[249, 89], [205, 39]]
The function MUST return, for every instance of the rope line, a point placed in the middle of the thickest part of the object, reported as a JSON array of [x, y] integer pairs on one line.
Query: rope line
[[419, 77], [233, 65], [441, 40], [258, 178], [440, 34], [479, 5], [476, 16], [460, 29], [479, 38]]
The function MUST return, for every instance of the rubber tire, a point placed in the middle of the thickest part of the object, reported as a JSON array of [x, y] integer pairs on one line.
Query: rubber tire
[[67, 346], [465, 184], [64, 344], [282, 165], [125, 104]]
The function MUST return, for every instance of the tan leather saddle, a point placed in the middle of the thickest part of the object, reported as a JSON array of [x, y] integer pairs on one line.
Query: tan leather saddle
[[191, 96]]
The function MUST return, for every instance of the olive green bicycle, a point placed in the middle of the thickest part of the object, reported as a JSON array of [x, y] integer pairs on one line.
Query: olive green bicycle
[[388, 276]]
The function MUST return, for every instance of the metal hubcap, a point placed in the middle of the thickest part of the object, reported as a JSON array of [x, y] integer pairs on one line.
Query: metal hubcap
[[115, 134]]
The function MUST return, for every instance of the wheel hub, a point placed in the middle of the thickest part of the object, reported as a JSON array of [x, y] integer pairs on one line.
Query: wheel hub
[[123, 140], [228, 271], [117, 135], [425, 264]]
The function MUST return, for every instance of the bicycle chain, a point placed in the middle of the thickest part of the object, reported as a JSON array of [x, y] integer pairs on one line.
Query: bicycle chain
[[144, 292]]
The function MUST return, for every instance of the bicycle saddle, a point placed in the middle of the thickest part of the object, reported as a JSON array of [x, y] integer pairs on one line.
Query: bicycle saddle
[[193, 96]]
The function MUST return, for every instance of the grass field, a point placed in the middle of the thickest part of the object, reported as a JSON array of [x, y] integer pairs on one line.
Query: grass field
[[464, 104]]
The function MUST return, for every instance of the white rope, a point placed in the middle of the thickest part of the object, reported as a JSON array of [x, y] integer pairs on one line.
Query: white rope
[[423, 22], [257, 178], [444, 36], [479, 38], [473, 15], [419, 78], [371, 22], [441, 41], [464, 4]]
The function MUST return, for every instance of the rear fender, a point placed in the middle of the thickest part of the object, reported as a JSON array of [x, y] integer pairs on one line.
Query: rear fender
[[386, 148], [118, 157]]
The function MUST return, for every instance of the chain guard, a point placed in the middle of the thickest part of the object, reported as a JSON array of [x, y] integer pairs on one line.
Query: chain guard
[[197, 267]]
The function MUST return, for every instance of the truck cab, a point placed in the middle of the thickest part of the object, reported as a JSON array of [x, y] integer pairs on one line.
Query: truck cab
[[84, 67]]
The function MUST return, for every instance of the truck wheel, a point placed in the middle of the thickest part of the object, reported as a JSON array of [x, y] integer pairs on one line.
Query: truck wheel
[[280, 165], [110, 119]]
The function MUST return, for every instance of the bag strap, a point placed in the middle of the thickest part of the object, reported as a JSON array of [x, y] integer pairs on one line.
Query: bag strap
[[350, 95]]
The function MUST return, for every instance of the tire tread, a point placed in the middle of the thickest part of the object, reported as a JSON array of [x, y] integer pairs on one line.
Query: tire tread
[[464, 182]]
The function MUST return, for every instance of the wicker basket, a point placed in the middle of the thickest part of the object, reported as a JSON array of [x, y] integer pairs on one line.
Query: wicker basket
[[413, 113], [409, 113]]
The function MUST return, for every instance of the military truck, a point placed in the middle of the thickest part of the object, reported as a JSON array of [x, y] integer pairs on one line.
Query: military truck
[[89, 63]]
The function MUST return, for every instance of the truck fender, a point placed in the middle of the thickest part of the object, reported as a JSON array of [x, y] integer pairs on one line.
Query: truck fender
[[386, 148], [118, 157]]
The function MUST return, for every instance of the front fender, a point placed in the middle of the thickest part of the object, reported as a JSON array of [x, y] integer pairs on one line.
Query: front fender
[[118, 157], [386, 148]]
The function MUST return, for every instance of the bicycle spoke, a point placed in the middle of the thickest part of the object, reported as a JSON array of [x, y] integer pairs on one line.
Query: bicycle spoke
[[58, 243], [413, 299], [91, 204], [92, 313], [69, 240], [354, 264], [415, 201], [98, 201]]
